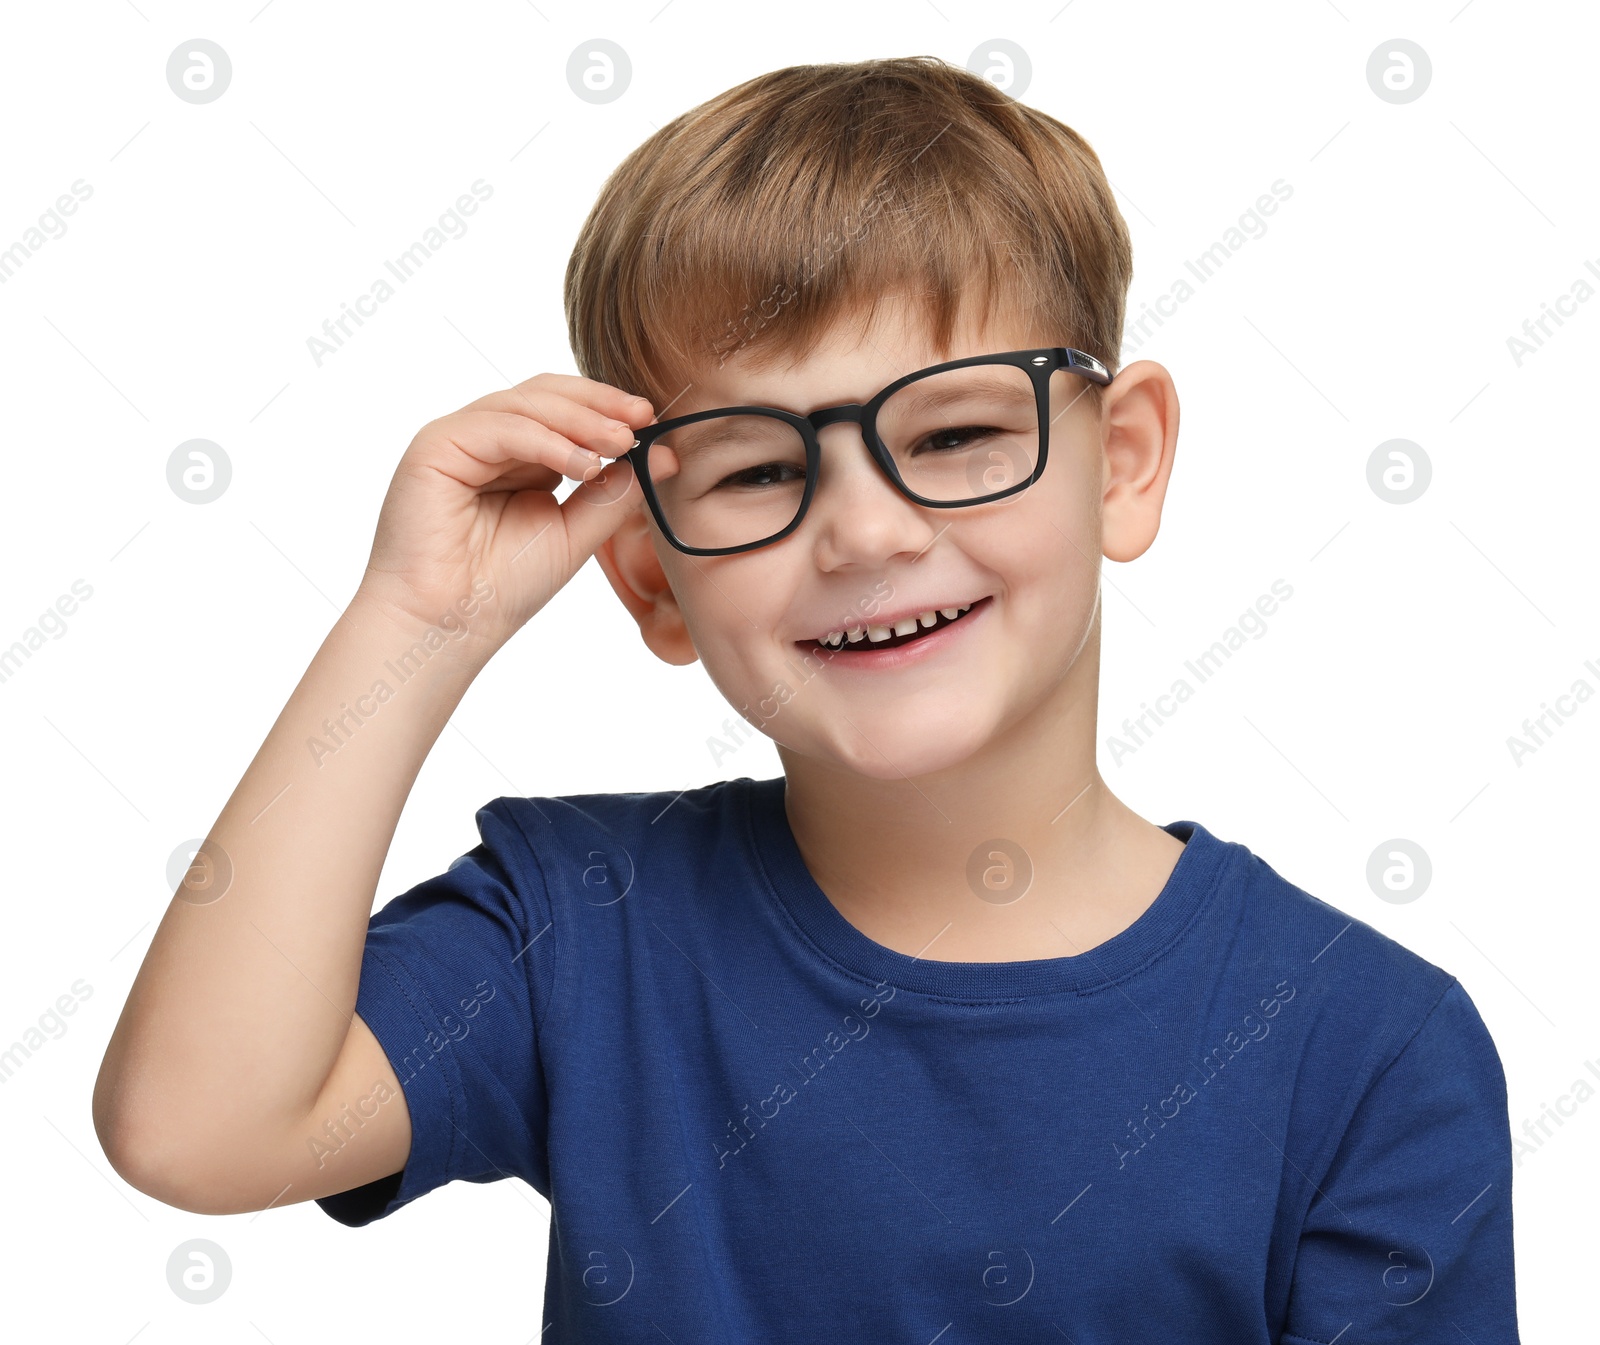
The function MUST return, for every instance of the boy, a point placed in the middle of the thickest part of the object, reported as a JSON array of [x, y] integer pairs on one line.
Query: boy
[[931, 1038]]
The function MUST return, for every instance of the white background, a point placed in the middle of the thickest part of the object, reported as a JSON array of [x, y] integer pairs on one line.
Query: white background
[[218, 237]]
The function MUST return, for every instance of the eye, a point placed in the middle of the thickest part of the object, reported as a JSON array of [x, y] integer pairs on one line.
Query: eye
[[766, 471], [954, 438]]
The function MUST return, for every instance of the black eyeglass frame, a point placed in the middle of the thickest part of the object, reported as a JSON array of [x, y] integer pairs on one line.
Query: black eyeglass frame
[[1038, 364]]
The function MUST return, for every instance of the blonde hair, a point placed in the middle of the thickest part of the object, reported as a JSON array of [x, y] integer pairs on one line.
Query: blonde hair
[[756, 220]]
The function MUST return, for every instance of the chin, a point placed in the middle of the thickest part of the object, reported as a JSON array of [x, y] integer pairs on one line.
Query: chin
[[879, 750]]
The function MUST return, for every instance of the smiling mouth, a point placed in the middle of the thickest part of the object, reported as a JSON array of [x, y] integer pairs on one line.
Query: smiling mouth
[[869, 637]]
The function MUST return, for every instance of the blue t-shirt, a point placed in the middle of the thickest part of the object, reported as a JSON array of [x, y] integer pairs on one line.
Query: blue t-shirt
[[1245, 1119]]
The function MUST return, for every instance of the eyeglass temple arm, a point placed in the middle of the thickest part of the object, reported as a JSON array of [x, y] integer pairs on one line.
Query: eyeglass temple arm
[[1081, 362]]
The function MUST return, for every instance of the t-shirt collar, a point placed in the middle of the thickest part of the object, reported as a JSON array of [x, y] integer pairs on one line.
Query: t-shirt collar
[[1185, 893]]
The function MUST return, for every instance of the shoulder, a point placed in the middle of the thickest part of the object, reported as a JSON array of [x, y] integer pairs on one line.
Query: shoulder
[[593, 847], [1363, 995]]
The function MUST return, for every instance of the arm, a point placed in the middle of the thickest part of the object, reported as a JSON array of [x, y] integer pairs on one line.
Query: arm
[[1409, 1236], [239, 1039], [239, 1036]]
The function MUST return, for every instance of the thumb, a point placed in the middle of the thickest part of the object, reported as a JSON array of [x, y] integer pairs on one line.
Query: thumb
[[599, 506]]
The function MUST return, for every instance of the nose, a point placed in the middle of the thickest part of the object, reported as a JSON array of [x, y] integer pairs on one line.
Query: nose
[[857, 514]]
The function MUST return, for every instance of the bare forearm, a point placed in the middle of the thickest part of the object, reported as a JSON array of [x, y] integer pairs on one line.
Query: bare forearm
[[246, 994]]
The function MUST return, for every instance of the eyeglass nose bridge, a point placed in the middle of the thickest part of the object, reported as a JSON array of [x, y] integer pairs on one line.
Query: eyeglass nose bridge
[[854, 413], [832, 415]]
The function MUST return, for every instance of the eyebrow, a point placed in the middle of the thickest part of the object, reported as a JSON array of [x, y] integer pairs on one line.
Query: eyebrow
[[933, 399], [705, 434], [925, 398]]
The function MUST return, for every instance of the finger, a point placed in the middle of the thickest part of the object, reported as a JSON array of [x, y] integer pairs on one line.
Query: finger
[[598, 507], [569, 403], [576, 421], [483, 448]]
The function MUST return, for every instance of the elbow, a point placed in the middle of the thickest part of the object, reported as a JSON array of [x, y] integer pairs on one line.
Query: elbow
[[154, 1160], [112, 1129], [136, 1156], [156, 1167]]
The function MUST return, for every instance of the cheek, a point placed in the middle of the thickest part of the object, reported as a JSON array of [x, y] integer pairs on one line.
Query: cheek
[[731, 612], [1037, 540], [1066, 514], [1043, 554]]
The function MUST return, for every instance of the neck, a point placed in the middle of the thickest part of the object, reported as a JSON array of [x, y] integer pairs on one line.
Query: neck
[[932, 865]]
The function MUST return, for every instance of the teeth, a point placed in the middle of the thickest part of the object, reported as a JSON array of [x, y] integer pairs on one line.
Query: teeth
[[906, 626]]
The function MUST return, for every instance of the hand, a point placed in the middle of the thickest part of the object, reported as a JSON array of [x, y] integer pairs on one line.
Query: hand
[[472, 503]]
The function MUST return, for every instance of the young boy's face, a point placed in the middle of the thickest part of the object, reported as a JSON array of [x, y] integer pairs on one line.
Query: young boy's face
[[864, 554]]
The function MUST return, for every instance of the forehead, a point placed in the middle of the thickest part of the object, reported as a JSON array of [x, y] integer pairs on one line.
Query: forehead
[[851, 362]]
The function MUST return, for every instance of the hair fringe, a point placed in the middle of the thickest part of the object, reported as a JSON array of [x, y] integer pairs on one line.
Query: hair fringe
[[753, 223]]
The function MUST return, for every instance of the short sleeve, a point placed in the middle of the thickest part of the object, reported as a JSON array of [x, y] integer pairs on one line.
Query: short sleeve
[[456, 977], [1408, 1237]]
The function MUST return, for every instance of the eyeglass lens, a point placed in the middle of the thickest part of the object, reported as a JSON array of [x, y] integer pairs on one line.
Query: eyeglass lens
[[962, 434]]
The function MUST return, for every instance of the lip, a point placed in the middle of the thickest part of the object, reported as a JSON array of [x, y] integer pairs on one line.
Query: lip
[[901, 656], [890, 618]]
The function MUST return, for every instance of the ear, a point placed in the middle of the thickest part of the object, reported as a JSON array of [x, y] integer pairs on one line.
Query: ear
[[630, 561], [1139, 439]]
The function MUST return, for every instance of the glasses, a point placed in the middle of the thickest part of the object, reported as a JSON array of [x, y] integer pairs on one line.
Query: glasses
[[964, 432]]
